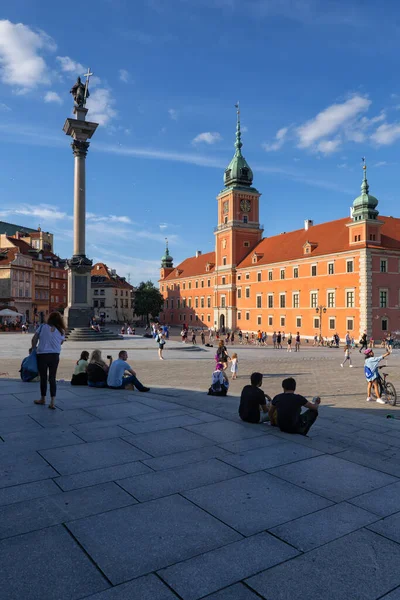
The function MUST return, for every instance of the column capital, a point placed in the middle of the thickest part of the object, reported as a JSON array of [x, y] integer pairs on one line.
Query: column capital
[[80, 148], [80, 263]]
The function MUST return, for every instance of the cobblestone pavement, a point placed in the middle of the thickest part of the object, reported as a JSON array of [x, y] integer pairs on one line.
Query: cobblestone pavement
[[126, 496]]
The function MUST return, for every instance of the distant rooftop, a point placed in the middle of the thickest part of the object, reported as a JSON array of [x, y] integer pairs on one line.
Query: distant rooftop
[[11, 229]]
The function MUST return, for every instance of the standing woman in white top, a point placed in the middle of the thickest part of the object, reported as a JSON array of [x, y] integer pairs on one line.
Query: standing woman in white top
[[50, 336]]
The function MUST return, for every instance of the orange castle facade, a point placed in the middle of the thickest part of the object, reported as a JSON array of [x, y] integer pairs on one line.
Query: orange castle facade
[[339, 276]]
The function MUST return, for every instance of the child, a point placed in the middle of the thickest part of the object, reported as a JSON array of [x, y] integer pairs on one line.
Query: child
[[346, 356], [289, 343], [219, 383], [234, 366], [371, 373]]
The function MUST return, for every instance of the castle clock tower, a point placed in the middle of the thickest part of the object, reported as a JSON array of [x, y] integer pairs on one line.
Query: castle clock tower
[[237, 233]]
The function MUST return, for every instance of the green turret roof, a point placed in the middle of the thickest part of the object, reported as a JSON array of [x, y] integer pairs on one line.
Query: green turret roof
[[364, 206], [238, 172], [166, 259]]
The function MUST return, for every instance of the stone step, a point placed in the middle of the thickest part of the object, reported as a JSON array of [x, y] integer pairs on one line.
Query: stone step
[[86, 334]]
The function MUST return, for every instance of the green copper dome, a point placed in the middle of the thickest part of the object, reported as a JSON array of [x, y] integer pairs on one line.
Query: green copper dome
[[364, 206], [238, 171], [166, 259]]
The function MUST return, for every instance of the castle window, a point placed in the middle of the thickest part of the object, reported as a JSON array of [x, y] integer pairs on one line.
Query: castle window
[[313, 270], [259, 320], [224, 261], [259, 276], [384, 324], [239, 316], [283, 321], [246, 244], [331, 268], [245, 219], [223, 280], [282, 273], [295, 272], [383, 265], [225, 220], [244, 172], [349, 266], [247, 316], [298, 322], [269, 275], [270, 321], [332, 323], [350, 324], [247, 275], [259, 301], [239, 292]]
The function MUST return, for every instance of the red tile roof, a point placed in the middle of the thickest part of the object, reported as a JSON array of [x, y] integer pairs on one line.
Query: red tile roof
[[101, 270], [9, 256], [195, 265], [331, 237], [23, 247]]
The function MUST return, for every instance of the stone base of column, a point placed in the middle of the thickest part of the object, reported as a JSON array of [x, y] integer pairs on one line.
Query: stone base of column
[[77, 317]]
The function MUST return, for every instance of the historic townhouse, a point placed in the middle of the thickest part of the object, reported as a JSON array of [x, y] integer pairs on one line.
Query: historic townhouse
[[339, 276]]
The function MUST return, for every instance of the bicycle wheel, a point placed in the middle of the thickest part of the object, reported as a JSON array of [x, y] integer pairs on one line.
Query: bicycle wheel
[[391, 394]]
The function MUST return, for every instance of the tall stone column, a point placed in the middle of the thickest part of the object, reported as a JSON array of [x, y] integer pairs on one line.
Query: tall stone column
[[79, 309]]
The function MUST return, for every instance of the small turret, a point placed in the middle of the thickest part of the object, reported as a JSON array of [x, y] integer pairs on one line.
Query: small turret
[[364, 206], [238, 172], [166, 259]]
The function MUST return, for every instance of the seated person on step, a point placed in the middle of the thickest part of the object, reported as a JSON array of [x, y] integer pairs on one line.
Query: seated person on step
[[219, 382], [285, 410], [254, 403], [116, 379]]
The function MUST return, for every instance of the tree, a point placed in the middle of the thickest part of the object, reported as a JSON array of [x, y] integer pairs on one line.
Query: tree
[[148, 300]]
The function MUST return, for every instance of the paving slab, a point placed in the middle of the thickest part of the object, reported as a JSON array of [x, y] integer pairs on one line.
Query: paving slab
[[102, 433], [158, 424], [202, 575], [10, 424], [160, 443], [31, 515], [183, 458], [87, 478], [92, 455], [26, 573], [149, 587], [56, 418], [251, 443], [16, 470], [332, 477], [253, 503], [323, 526], [137, 540], [226, 431], [27, 491], [388, 527], [395, 595], [41, 439], [279, 453], [100, 423], [383, 502], [357, 566], [234, 592], [163, 483], [380, 463], [125, 409]]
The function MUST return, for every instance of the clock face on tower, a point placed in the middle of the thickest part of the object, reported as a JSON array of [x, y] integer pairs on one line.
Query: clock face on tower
[[245, 205]]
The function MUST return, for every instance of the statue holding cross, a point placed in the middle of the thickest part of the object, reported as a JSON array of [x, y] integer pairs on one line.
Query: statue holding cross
[[80, 91]]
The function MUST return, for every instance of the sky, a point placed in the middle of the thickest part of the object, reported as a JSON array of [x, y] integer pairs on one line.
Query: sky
[[318, 84]]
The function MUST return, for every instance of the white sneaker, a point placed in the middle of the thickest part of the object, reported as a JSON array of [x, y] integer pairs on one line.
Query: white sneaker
[[351, 366], [380, 401], [369, 399], [341, 365]]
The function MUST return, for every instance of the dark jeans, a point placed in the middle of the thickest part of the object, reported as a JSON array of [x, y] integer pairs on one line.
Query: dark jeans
[[48, 362], [364, 346], [127, 380], [306, 420]]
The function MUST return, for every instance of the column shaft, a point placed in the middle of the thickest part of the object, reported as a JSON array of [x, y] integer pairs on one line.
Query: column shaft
[[79, 205]]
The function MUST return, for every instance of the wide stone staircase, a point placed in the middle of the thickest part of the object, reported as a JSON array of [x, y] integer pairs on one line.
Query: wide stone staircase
[[86, 334]]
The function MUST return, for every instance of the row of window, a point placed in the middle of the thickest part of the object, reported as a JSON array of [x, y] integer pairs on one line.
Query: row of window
[[331, 299], [122, 303], [56, 299], [55, 285], [189, 285], [299, 321], [183, 302], [295, 272]]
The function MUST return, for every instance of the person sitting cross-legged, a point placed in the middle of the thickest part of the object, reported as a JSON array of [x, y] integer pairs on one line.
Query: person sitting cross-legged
[[254, 403], [285, 410], [219, 382], [116, 379]]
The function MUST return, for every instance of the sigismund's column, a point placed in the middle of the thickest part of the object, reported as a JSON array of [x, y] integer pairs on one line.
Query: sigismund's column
[[79, 310]]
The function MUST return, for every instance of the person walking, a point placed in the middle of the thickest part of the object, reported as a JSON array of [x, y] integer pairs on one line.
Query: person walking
[[289, 343], [160, 339], [48, 339], [363, 342], [203, 339], [193, 337], [347, 356], [297, 343], [222, 354], [279, 341], [274, 339]]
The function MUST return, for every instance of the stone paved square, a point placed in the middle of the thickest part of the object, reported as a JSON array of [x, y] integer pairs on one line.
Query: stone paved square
[[122, 542], [141, 487]]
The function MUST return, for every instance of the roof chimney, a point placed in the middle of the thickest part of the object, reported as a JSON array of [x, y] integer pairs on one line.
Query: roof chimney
[[198, 253], [307, 224]]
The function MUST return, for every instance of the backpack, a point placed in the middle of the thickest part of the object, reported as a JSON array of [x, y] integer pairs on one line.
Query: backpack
[[29, 369], [368, 372]]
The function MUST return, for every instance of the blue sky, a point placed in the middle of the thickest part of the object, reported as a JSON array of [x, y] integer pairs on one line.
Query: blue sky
[[318, 85]]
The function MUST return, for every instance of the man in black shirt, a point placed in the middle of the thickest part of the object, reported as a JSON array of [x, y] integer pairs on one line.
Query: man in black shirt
[[253, 402], [286, 409]]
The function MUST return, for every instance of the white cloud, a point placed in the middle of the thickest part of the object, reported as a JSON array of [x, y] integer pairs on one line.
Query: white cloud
[[381, 163], [163, 225], [45, 212], [329, 121], [69, 65], [328, 146], [124, 75], [208, 137], [4, 107], [386, 134], [173, 114], [280, 138], [110, 218], [244, 128], [21, 65], [101, 106], [52, 97]]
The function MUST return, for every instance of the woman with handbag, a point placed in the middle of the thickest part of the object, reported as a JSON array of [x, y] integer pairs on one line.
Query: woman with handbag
[[48, 339]]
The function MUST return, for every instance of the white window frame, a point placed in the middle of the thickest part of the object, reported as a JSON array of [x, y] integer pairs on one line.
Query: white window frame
[[316, 320], [282, 272], [297, 322], [385, 262], [247, 316], [259, 300], [348, 321], [282, 321], [239, 316], [350, 261], [386, 291], [270, 320], [270, 274], [296, 294], [316, 270], [334, 298], [334, 323], [247, 276], [239, 292], [259, 319], [282, 295], [247, 292], [331, 263], [296, 267], [259, 275], [223, 301], [347, 290], [272, 303], [311, 298]]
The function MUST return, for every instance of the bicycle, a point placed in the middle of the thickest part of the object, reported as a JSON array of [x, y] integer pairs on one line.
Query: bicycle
[[386, 388]]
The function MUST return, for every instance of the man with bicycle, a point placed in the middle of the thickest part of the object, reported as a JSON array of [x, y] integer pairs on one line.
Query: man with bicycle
[[371, 366]]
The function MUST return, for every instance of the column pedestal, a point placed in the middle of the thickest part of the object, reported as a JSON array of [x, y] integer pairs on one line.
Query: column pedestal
[[79, 311]]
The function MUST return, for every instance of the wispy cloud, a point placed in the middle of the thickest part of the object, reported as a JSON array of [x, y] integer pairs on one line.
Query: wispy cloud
[[124, 75], [208, 137], [109, 219], [278, 142], [45, 212], [101, 106], [173, 114], [52, 97], [21, 63], [4, 107], [331, 121], [381, 163], [68, 65], [386, 134]]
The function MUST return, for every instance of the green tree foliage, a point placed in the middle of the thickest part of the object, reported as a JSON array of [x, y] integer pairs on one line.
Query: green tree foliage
[[148, 300]]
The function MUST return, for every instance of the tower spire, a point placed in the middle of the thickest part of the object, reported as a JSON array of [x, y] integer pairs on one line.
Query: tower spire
[[238, 143], [364, 206], [364, 185], [166, 260]]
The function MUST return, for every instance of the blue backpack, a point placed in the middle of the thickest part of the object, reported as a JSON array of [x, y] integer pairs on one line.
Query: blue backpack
[[29, 368], [368, 372]]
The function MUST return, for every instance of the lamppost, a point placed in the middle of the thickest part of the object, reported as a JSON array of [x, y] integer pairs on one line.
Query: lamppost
[[320, 310]]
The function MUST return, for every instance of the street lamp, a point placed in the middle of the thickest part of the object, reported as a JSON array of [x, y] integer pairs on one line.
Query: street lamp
[[320, 310]]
